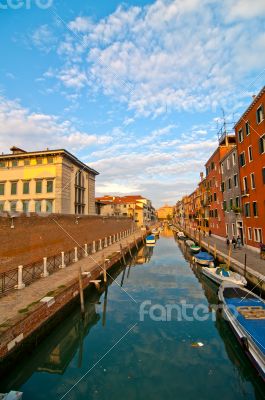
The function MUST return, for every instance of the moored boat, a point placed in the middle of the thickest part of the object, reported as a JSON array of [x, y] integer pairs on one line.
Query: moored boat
[[245, 312], [150, 239], [189, 243], [195, 249], [12, 395], [204, 258], [219, 275]]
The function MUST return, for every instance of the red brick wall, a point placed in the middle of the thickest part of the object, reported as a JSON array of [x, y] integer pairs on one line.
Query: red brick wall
[[36, 237]]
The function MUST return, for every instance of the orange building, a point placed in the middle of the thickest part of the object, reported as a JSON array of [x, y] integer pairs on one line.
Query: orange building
[[250, 139], [214, 183]]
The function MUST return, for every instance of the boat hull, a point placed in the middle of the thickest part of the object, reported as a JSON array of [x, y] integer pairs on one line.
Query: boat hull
[[245, 340], [219, 279]]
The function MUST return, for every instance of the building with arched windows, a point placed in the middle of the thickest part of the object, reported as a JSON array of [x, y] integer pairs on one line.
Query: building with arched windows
[[46, 181]]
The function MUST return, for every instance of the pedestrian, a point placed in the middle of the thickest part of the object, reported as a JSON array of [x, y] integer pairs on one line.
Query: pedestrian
[[262, 249], [239, 242], [234, 241], [210, 232], [227, 241]]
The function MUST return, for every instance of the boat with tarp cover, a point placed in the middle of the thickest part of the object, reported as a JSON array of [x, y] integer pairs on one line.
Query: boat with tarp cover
[[245, 312], [204, 258]]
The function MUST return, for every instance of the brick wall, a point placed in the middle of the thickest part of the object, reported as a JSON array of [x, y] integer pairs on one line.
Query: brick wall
[[36, 237]]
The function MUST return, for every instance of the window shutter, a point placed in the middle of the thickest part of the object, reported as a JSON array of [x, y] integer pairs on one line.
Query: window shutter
[[260, 145], [263, 174]]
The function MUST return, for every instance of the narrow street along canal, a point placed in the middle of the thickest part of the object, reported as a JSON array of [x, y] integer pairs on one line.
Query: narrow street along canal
[[124, 349]]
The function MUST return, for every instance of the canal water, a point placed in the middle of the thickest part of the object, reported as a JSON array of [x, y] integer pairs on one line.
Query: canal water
[[118, 353]]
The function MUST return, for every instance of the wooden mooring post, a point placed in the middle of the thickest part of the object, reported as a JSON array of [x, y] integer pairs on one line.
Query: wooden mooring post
[[135, 241], [122, 254], [104, 268], [129, 247], [245, 265], [229, 256], [81, 291]]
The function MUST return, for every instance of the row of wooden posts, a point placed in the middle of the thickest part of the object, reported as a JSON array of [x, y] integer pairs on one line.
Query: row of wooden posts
[[97, 245]]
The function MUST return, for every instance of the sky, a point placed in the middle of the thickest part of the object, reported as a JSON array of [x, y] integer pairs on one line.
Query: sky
[[136, 89]]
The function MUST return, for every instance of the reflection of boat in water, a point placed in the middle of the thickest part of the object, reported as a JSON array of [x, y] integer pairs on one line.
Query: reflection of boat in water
[[144, 254], [245, 312]]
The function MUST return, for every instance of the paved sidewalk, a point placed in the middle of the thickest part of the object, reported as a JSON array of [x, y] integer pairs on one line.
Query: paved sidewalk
[[253, 259], [20, 299]]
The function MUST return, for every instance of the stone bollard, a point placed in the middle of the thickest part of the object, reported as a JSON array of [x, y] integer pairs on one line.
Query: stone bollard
[[75, 257], [110, 241], [106, 242], [45, 271], [86, 253], [93, 247], [100, 244], [63, 264], [20, 284]]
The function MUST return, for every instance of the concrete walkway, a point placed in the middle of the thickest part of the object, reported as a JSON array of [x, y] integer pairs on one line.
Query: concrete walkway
[[253, 259], [20, 299]]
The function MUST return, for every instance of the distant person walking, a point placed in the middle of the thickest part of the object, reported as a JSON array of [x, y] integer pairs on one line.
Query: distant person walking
[[210, 232], [239, 243], [234, 241], [227, 241]]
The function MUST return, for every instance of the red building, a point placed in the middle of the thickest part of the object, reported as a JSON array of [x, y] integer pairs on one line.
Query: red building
[[250, 138], [214, 185]]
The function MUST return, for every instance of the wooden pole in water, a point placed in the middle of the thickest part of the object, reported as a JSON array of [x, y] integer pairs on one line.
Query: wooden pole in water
[[229, 255], [104, 268], [122, 254], [129, 247], [245, 265], [81, 292]]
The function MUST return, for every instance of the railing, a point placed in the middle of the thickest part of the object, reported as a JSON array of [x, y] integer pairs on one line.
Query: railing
[[17, 278]]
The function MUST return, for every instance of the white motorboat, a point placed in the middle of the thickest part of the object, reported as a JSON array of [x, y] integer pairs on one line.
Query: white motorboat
[[219, 275]]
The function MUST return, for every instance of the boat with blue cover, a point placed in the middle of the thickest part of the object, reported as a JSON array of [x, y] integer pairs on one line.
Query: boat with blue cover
[[204, 258], [245, 312], [150, 239]]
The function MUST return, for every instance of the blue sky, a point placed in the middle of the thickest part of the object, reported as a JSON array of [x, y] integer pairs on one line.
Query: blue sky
[[135, 89]]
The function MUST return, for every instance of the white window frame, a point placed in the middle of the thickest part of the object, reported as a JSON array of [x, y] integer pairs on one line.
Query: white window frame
[[250, 148], [244, 159], [255, 216], [247, 125], [233, 230], [249, 233], [234, 158], [251, 180], [240, 135], [258, 235], [260, 107]]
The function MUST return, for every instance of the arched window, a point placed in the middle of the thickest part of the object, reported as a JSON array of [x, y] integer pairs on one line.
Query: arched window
[[79, 193]]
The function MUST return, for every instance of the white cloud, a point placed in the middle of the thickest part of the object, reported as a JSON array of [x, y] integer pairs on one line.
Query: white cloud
[[36, 131], [80, 24], [43, 38], [244, 9]]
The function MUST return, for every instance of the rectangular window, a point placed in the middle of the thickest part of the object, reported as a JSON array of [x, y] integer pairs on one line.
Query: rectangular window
[[242, 159], [231, 204], [255, 208], [37, 206], [262, 144], [258, 235], [38, 161], [228, 164], [250, 154], [49, 186], [234, 158], [26, 187], [245, 184], [216, 213], [13, 187], [237, 202], [27, 162], [25, 205], [39, 186], [2, 205], [224, 205], [263, 174], [247, 209], [49, 206], [222, 168], [249, 233], [214, 197], [13, 206], [233, 230], [260, 114], [235, 180], [222, 186], [247, 128], [2, 189], [240, 135], [2, 164], [14, 163], [252, 179], [229, 183], [49, 160]]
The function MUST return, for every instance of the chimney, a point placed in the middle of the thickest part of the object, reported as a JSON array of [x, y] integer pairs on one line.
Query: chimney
[[253, 96], [201, 176], [17, 150]]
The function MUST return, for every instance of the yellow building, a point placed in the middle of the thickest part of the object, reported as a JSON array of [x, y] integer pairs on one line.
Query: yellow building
[[46, 181], [165, 212]]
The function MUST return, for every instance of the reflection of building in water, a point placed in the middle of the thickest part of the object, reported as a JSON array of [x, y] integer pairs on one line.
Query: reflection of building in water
[[144, 255], [167, 232], [68, 338]]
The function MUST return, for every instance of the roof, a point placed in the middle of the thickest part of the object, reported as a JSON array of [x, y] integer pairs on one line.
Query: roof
[[255, 100], [24, 154]]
